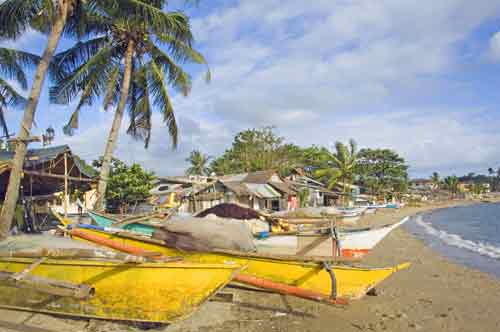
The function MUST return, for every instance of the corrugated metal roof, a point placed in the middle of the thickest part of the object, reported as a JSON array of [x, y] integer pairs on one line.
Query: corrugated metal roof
[[262, 190]]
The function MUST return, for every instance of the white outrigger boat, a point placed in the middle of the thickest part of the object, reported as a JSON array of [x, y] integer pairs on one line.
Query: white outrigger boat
[[354, 244]]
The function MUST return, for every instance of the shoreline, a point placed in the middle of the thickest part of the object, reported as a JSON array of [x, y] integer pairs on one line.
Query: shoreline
[[434, 294]]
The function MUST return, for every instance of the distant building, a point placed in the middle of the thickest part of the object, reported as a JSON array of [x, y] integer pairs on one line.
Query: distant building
[[263, 190], [318, 193]]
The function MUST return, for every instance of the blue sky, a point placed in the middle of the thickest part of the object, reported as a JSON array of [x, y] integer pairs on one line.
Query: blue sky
[[420, 77]]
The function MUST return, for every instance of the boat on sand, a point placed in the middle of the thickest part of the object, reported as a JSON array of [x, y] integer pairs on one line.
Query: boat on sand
[[308, 273], [354, 243], [145, 291]]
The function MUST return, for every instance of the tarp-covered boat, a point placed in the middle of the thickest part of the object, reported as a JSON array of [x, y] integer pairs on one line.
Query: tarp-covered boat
[[149, 292]]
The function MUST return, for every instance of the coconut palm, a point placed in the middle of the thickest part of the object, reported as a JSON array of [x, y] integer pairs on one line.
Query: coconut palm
[[52, 17], [451, 184], [340, 166], [12, 66], [436, 180], [198, 162], [126, 64]]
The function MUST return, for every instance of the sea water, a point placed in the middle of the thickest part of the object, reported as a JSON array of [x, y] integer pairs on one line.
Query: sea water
[[469, 235]]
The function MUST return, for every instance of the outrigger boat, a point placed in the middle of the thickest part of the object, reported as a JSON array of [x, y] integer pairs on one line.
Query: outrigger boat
[[68, 279], [355, 243], [308, 274]]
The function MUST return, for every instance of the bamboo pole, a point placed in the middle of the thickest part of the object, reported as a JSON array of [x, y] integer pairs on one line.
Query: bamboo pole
[[57, 176], [287, 289], [65, 185], [47, 286], [122, 246]]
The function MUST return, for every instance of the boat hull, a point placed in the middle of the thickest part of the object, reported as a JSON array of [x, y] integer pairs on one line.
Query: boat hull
[[149, 292], [353, 244], [134, 227], [351, 282]]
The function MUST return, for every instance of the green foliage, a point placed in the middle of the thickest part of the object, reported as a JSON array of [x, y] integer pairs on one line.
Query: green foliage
[[303, 195], [451, 184], [339, 166], [256, 150], [382, 171], [127, 185], [436, 180], [92, 70], [12, 66], [198, 162]]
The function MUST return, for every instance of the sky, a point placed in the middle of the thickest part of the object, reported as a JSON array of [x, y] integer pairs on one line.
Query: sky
[[420, 77]]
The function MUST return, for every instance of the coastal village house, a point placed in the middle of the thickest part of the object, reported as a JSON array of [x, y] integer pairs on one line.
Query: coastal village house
[[264, 190], [317, 193], [50, 176]]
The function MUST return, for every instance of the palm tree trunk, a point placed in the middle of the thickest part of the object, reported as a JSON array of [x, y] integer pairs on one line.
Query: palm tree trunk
[[12, 193], [115, 129]]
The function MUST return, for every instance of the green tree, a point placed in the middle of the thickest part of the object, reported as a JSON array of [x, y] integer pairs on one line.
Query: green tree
[[12, 66], [127, 185], [451, 184], [256, 150], [436, 180], [53, 18], [478, 188], [382, 171], [198, 162], [125, 63], [340, 166]]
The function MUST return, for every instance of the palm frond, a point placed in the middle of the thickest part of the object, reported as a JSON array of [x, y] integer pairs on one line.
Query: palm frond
[[96, 70], [16, 16], [3, 123], [176, 76], [161, 100], [9, 97], [13, 63], [172, 23]]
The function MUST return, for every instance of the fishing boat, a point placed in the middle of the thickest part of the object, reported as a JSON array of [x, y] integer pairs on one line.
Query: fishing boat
[[143, 227], [100, 285], [307, 273], [352, 243]]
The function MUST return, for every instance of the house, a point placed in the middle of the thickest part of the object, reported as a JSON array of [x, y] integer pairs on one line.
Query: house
[[422, 184], [317, 193], [52, 177], [263, 190]]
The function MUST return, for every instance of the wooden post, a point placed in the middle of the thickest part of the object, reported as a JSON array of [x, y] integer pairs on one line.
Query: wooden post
[[65, 185]]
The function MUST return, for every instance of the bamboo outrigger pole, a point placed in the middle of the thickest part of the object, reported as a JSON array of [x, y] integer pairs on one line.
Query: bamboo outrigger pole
[[65, 185]]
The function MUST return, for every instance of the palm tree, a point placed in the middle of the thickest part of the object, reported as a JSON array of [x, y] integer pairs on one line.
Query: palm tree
[[451, 183], [436, 180], [340, 167], [198, 162], [125, 63], [12, 65], [48, 16]]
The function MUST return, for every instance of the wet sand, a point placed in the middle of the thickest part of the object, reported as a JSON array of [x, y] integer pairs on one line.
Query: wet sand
[[432, 295]]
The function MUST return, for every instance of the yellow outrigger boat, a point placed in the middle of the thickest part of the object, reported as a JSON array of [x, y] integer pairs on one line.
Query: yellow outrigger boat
[[148, 292], [313, 275]]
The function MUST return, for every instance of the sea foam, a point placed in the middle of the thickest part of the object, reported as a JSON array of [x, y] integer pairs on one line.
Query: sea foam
[[482, 248]]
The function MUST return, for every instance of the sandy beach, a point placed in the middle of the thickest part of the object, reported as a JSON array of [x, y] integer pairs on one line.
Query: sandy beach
[[434, 294]]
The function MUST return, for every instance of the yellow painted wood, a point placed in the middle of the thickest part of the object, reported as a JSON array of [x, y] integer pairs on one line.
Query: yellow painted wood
[[150, 292], [352, 282]]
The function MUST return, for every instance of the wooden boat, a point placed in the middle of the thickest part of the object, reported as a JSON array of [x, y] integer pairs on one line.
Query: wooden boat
[[308, 273], [138, 227], [149, 292], [356, 243]]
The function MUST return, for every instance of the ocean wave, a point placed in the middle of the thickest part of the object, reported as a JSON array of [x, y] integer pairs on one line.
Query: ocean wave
[[482, 248]]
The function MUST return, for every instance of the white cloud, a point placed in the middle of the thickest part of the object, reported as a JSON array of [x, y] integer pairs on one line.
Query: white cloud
[[326, 70], [495, 46]]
